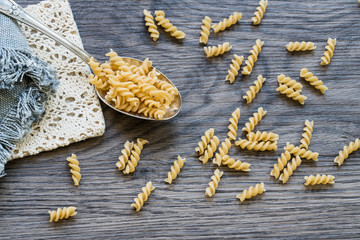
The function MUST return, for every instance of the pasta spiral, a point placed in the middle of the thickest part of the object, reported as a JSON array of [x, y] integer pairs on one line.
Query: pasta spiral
[[233, 126], [213, 185], [291, 167], [152, 28], [211, 148], [251, 192], [306, 136], [124, 158], [135, 156], [115, 60], [259, 14], [205, 30], [175, 169], [300, 46], [329, 53], [255, 145], [282, 161], [217, 50], [235, 164], [234, 68], [165, 23], [252, 58], [303, 153], [250, 94], [202, 145], [227, 22], [313, 80], [75, 169], [344, 154], [262, 136], [223, 150], [282, 79], [143, 197], [62, 213], [152, 112], [253, 121], [291, 93], [319, 179]]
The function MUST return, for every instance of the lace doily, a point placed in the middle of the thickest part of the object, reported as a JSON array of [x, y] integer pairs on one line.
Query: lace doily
[[74, 112]]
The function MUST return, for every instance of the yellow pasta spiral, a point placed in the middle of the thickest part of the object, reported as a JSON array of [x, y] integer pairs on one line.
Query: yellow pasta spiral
[[233, 126], [152, 28], [75, 169], [253, 121], [175, 169], [282, 161], [259, 14], [227, 22], [115, 60], [282, 79], [213, 185], [211, 148], [262, 136], [163, 85], [234, 68], [217, 50], [223, 150], [124, 158], [145, 67], [62, 213], [143, 197], [300, 46], [344, 154], [202, 145], [152, 112], [319, 179], [303, 153], [251, 192], [255, 145], [135, 156], [291, 167], [165, 23], [307, 134], [205, 30], [252, 58], [250, 94], [235, 164], [98, 82], [329, 53], [291, 93], [313, 80]]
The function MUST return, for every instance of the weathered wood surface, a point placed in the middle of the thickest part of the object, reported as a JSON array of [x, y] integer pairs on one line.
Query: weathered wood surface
[[39, 183]]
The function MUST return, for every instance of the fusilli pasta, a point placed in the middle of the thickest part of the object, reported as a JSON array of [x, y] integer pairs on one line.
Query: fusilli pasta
[[124, 158], [211, 148], [234, 68], [291, 93], [282, 161], [300, 46], [75, 169], [306, 136], [235, 164], [152, 28], [282, 79], [252, 58], [223, 150], [175, 169], [213, 185], [233, 126], [135, 156], [250, 94], [329, 53], [143, 197], [313, 80], [253, 121], [260, 11], [202, 145], [205, 30], [251, 192], [262, 136], [291, 167], [165, 23], [303, 153], [62, 213], [319, 179], [217, 50], [255, 145], [227, 22], [344, 154]]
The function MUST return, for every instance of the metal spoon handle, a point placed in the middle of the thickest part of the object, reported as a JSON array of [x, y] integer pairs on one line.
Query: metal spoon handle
[[13, 10]]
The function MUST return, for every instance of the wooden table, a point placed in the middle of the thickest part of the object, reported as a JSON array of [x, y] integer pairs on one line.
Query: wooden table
[[37, 184]]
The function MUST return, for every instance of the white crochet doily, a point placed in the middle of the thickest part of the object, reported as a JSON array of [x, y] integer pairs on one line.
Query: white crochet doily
[[74, 112]]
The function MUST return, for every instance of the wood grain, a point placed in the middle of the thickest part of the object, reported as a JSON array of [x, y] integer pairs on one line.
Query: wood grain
[[37, 184]]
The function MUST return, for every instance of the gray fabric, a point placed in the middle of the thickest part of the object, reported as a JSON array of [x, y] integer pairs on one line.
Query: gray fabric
[[25, 84]]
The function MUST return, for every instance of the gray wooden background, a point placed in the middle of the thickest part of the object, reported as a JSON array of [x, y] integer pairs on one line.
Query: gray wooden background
[[37, 184]]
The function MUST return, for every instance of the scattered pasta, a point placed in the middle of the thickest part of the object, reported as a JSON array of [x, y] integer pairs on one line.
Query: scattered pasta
[[211, 148], [344, 154], [252, 58], [213, 185], [124, 158], [202, 145], [306, 136], [75, 169], [233, 126], [250, 94], [290, 88], [303, 153], [62, 213], [291, 167], [262, 136], [234, 68], [329, 53], [205, 30], [319, 179], [282, 161], [255, 145], [282, 79], [253, 121], [222, 151], [152, 28], [175, 169], [227, 22], [165, 23], [235, 164], [251, 192], [217, 50], [313, 80], [135, 156], [260, 11], [143, 197], [300, 46]]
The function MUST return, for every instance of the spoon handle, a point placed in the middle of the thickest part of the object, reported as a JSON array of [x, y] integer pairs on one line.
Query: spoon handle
[[13, 10]]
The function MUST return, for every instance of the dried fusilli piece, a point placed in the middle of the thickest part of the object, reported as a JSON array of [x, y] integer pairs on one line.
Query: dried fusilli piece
[[143, 197], [75, 169], [62, 213], [227, 22], [175, 169], [252, 58], [251, 192], [253, 121], [145, 67], [259, 14], [282, 161], [213, 185], [217, 50], [152, 28], [262, 136], [202, 145], [211, 148], [205, 30], [115, 60], [234, 68], [165, 23], [282, 79], [235, 164], [328, 54], [307, 134], [303, 153], [98, 82], [319, 179], [291, 93], [135, 156], [124, 158], [250, 94], [300, 46], [291, 167], [223, 150], [152, 112], [344, 154], [233, 126], [313, 80], [255, 145]]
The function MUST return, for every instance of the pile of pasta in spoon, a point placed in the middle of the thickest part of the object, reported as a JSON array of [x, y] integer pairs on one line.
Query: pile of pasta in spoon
[[132, 88]]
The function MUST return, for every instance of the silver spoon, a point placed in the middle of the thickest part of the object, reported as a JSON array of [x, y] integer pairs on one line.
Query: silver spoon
[[13, 10]]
